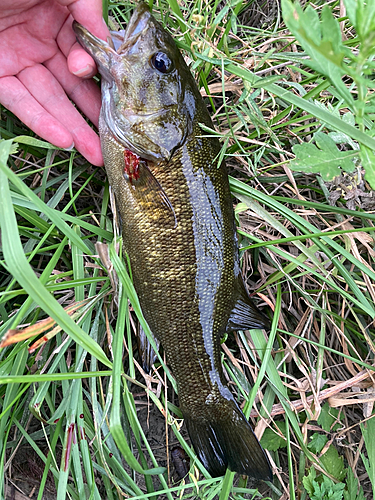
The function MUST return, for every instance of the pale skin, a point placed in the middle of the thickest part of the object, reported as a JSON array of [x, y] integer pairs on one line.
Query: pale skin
[[43, 69]]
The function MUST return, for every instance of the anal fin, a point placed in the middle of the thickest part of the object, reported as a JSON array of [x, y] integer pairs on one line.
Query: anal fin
[[245, 315]]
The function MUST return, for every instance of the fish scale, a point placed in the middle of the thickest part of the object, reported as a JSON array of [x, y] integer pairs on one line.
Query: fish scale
[[178, 230]]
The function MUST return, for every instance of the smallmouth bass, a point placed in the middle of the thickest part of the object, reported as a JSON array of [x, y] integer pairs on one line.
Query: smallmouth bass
[[178, 228]]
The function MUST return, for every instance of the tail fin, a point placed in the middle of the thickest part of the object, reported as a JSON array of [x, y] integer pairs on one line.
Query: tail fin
[[224, 438]]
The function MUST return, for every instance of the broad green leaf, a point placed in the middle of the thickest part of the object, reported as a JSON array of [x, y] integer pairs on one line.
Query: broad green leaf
[[322, 42], [271, 440], [324, 489], [362, 16], [368, 163], [317, 442], [325, 158], [309, 481], [352, 487], [327, 417], [339, 137], [313, 17], [351, 10], [329, 490], [331, 29], [368, 433], [333, 463]]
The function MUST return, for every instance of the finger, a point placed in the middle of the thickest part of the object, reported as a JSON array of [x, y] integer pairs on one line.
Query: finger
[[94, 22], [40, 82], [15, 97], [79, 62], [85, 93]]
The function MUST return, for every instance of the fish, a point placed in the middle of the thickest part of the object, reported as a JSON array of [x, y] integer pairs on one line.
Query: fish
[[178, 229]]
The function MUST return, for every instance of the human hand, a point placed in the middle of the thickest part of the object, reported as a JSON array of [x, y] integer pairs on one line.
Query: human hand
[[42, 66]]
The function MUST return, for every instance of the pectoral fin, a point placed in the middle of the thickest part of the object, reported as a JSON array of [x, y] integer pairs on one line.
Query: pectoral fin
[[148, 193]]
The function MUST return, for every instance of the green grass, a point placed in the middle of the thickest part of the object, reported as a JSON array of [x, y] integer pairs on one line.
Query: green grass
[[78, 403]]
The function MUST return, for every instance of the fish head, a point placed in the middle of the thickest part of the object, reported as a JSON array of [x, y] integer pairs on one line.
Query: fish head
[[148, 93]]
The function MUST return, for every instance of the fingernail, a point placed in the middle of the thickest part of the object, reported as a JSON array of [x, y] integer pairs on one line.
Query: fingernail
[[70, 147], [88, 70]]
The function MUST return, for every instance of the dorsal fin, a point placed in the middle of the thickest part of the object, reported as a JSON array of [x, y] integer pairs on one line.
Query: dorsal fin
[[245, 315]]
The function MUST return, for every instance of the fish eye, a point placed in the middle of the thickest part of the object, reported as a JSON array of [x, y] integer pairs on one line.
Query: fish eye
[[161, 62]]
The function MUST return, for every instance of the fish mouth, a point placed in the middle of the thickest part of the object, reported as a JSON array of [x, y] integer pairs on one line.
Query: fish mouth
[[102, 52], [89, 41], [106, 53], [138, 21]]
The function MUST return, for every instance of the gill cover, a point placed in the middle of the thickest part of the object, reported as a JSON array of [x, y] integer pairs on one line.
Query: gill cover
[[148, 91]]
